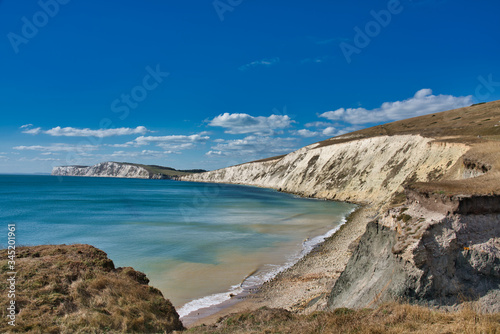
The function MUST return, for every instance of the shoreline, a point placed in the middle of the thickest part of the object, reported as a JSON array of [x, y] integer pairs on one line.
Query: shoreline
[[255, 280], [302, 287]]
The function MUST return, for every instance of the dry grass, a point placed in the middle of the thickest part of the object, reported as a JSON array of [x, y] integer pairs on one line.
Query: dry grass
[[485, 155], [76, 289], [458, 125], [155, 169], [388, 318]]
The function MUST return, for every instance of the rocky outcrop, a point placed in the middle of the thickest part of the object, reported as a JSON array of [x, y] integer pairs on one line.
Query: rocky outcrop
[[368, 170], [436, 249]]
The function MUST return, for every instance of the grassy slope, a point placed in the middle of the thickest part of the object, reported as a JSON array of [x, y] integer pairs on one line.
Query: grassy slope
[[76, 289], [477, 126], [458, 125], [155, 169]]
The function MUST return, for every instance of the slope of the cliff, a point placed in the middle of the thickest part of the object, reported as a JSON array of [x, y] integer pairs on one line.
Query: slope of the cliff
[[76, 289], [122, 170], [371, 165], [368, 170]]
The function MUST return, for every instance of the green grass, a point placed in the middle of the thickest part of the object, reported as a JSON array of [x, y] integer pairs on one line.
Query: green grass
[[155, 169]]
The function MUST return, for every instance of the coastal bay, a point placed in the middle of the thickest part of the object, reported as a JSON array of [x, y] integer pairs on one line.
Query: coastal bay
[[192, 240]]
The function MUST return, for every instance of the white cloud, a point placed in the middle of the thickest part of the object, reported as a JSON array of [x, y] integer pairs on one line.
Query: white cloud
[[330, 131], [305, 133], [34, 131], [38, 159], [142, 154], [58, 148], [255, 147], [212, 153], [317, 124], [101, 133], [75, 132], [26, 126], [244, 123], [173, 142], [422, 103], [263, 62], [333, 131]]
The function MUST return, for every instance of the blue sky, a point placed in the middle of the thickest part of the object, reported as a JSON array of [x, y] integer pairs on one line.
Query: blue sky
[[207, 84]]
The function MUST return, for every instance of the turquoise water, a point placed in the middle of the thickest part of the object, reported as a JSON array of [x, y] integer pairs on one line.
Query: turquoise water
[[191, 239]]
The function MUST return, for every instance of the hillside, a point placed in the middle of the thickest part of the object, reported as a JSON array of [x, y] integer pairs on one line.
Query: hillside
[[370, 165], [77, 289], [429, 189], [123, 170]]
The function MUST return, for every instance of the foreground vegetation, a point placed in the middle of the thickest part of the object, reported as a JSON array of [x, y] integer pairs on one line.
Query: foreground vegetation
[[388, 318], [76, 289]]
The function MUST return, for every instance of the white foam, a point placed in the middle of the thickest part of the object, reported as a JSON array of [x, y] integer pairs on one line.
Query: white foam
[[208, 301], [269, 272]]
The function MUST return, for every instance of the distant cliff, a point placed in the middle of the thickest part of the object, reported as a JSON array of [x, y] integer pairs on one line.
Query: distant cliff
[[122, 170]]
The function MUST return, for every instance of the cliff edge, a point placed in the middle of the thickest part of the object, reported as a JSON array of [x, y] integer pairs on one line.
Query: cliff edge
[[434, 250], [77, 289]]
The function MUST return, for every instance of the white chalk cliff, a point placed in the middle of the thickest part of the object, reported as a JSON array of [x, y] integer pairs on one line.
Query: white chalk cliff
[[368, 170], [104, 169]]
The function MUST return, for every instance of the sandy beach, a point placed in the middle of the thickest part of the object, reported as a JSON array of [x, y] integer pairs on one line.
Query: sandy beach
[[304, 287]]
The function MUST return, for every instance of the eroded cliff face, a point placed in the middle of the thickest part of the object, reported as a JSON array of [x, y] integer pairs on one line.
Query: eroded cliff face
[[436, 249], [104, 169], [367, 170]]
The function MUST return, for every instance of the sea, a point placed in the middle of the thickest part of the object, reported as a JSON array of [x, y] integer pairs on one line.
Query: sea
[[199, 243]]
